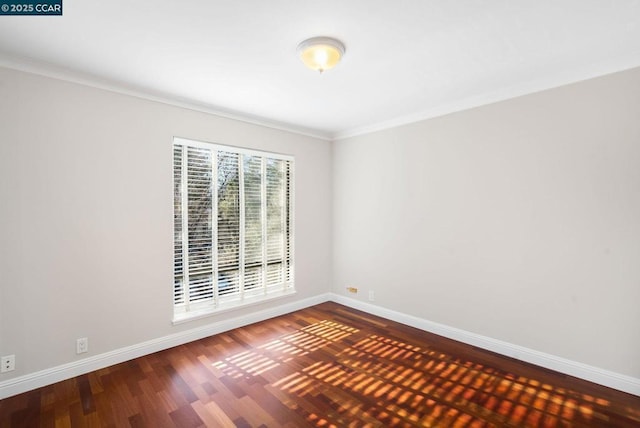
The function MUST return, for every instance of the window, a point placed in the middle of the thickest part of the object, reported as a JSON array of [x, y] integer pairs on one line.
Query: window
[[233, 227]]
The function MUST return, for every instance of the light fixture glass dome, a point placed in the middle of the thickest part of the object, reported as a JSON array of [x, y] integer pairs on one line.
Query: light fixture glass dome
[[321, 53]]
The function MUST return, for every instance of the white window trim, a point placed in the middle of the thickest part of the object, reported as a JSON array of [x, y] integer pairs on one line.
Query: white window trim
[[197, 310]]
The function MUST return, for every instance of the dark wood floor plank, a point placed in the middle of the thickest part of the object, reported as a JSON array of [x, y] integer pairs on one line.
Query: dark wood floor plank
[[324, 366], [186, 417]]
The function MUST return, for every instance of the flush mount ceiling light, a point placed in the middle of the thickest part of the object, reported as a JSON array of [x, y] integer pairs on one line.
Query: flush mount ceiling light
[[321, 53]]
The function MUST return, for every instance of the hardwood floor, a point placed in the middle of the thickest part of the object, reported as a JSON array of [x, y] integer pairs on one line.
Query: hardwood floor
[[325, 366]]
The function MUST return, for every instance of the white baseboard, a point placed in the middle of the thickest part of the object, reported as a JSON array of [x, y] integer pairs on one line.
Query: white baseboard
[[573, 368], [42, 378]]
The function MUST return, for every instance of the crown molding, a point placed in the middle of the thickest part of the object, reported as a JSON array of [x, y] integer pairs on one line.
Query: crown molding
[[52, 71], [542, 83]]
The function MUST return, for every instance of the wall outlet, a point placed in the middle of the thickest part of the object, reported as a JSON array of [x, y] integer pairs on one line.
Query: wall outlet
[[8, 363], [352, 290], [82, 345], [372, 295]]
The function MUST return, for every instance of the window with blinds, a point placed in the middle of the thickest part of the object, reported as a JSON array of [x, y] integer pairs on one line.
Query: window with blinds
[[233, 227]]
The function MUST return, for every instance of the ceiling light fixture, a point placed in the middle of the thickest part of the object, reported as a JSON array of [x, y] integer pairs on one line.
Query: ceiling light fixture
[[321, 53]]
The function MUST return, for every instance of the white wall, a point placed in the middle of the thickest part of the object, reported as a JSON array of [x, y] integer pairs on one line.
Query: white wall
[[519, 221], [86, 216]]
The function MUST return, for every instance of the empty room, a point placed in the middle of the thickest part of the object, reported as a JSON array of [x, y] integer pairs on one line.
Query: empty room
[[370, 213]]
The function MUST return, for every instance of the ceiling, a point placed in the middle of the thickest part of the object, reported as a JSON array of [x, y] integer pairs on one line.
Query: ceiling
[[406, 60]]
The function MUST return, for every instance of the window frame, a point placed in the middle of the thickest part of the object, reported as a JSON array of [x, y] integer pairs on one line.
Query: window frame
[[189, 310]]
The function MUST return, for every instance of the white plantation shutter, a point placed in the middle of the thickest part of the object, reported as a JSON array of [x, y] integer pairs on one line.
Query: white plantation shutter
[[253, 224], [198, 230], [289, 222], [178, 271], [233, 227], [228, 195], [275, 223]]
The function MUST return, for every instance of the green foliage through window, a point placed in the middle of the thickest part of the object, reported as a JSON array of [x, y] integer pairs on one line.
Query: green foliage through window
[[233, 225]]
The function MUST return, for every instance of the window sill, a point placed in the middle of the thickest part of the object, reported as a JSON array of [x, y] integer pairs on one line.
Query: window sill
[[230, 306]]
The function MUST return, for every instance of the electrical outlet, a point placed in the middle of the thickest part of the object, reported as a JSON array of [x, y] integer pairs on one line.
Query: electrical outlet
[[8, 363], [352, 289], [82, 345], [372, 295]]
